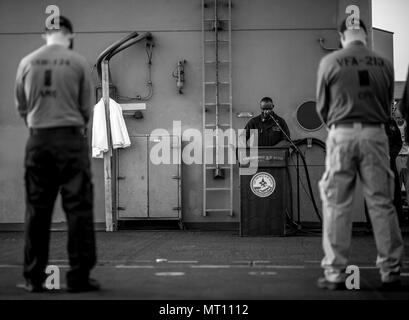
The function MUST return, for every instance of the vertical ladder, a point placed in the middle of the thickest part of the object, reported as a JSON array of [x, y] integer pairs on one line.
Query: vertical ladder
[[217, 105]]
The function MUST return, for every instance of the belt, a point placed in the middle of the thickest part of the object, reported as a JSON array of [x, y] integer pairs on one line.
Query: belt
[[358, 125], [57, 130]]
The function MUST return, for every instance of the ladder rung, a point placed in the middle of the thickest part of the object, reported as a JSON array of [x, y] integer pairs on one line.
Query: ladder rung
[[212, 104], [214, 83], [220, 62], [212, 25], [212, 20], [211, 125], [218, 189], [218, 210], [214, 41]]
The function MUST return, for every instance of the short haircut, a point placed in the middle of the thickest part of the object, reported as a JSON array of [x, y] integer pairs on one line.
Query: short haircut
[[266, 100], [343, 27], [64, 23]]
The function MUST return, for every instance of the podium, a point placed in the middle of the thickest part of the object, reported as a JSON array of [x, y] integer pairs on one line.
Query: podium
[[263, 193]]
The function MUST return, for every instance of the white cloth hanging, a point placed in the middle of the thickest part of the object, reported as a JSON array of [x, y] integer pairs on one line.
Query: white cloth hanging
[[99, 131], [119, 133]]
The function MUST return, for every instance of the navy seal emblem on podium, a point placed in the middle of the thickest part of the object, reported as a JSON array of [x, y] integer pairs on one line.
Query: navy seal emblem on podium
[[263, 184]]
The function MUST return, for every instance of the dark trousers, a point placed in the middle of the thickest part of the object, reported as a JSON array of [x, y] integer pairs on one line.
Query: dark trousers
[[57, 160]]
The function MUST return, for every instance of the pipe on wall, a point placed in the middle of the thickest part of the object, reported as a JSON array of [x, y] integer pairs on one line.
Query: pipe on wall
[[123, 44], [111, 48]]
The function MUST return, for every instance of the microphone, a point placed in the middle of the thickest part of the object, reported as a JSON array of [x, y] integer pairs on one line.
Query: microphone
[[270, 114], [266, 114]]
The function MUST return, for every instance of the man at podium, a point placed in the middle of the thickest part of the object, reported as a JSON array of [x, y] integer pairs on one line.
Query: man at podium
[[269, 133], [263, 191]]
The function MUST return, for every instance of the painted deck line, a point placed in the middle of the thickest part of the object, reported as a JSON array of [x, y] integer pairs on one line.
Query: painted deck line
[[169, 274], [319, 261], [242, 261], [124, 261], [204, 266], [262, 273], [211, 266], [5, 266], [281, 267], [133, 267], [62, 266], [241, 266], [100, 262]]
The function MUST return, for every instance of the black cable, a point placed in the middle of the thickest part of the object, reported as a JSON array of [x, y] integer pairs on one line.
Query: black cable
[[302, 184], [298, 227], [313, 141], [307, 174], [290, 189], [296, 149]]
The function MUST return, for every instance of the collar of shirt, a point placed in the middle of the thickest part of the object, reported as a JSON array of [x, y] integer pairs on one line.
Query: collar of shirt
[[356, 43]]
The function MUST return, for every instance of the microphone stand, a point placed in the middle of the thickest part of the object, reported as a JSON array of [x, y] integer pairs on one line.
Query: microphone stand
[[298, 153]]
